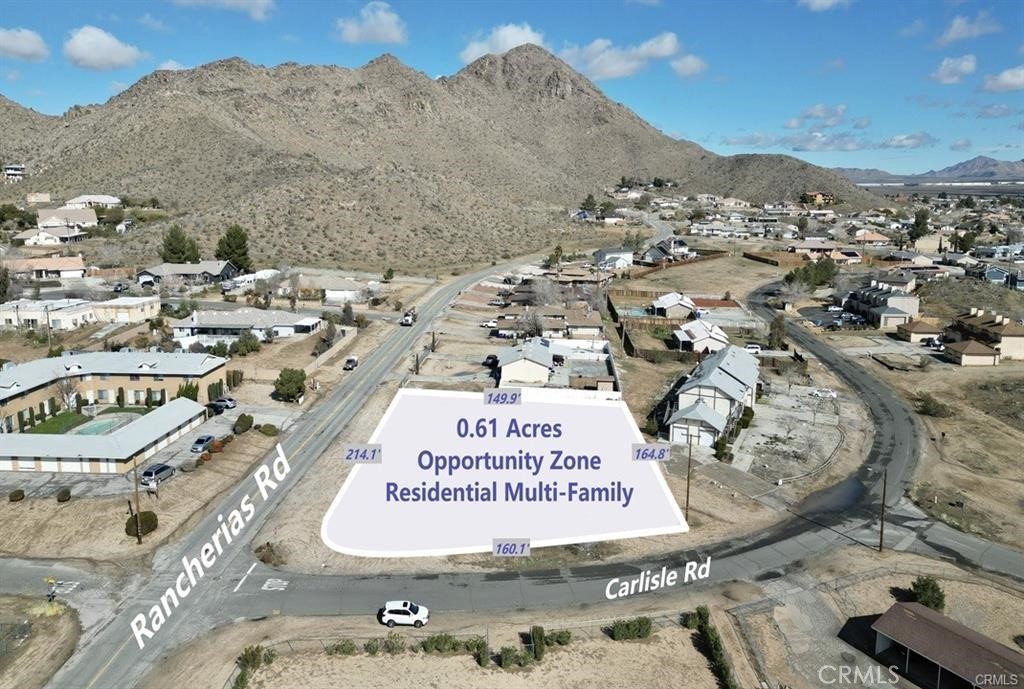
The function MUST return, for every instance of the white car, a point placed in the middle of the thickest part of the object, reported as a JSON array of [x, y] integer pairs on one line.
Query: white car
[[404, 612], [835, 309], [489, 324], [824, 393], [228, 402], [700, 313], [753, 348]]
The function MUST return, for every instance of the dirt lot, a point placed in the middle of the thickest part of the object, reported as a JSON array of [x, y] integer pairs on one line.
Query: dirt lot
[[93, 528], [54, 633], [947, 298], [590, 660], [712, 278], [977, 462], [15, 346]]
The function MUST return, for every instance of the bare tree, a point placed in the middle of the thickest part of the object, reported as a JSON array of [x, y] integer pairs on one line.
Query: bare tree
[[547, 293], [530, 324], [67, 388]]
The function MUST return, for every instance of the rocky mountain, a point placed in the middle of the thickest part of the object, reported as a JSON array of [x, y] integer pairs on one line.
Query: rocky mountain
[[379, 165], [978, 169]]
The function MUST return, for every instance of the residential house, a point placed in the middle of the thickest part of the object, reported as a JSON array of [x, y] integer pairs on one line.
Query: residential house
[[613, 258], [917, 331], [204, 272], [65, 218], [818, 198], [999, 332], [673, 305], [93, 201], [988, 273], [724, 383], [47, 268], [34, 198], [904, 280], [870, 238], [580, 365], [14, 173], [210, 327], [1015, 281], [815, 247], [54, 236], [999, 251], [127, 309], [700, 336], [55, 314], [952, 258], [529, 363], [932, 650], [101, 378], [909, 257], [971, 353], [584, 325], [883, 305]]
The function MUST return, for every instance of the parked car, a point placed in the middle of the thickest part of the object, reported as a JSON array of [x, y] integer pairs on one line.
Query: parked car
[[350, 363], [403, 612], [834, 309], [489, 324], [497, 302], [120, 287], [491, 360], [228, 402], [938, 347], [156, 473], [202, 443], [700, 313], [216, 408], [824, 394], [753, 348]]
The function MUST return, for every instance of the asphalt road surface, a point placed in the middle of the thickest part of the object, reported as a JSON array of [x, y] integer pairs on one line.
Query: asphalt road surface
[[237, 587]]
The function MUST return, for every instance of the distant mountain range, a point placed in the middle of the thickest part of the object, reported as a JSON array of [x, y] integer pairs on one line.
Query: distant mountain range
[[376, 166], [979, 169]]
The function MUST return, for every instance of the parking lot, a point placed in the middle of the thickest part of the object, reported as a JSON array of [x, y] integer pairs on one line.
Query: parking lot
[[834, 319]]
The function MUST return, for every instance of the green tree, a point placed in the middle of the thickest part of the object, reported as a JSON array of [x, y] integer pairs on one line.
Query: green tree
[[920, 227], [966, 202], [698, 214], [178, 247], [188, 391], [234, 246], [113, 216], [5, 283], [607, 208], [290, 384], [389, 274], [777, 333], [643, 202], [801, 224], [927, 592], [589, 204], [347, 316]]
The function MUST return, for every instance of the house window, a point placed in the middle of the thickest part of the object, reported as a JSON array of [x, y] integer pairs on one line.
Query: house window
[[103, 395], [133, 376], [104, 376], [158, 377]]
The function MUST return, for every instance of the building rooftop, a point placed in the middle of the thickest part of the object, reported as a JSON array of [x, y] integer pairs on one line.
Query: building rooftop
[[699, 411], [535, 349], [955, 647], [129, 301], [49, 263], [971, 347], [246, 317], [165, 269], [44, 304], [919, 327]]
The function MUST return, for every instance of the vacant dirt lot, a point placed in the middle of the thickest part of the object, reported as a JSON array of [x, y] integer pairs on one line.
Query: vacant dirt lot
[[54, 633], [977, 460], [93, 528], [947, 298], [712, 278]]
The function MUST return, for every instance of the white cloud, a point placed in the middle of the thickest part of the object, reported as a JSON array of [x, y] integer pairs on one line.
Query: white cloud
[[257, 10], [952, 70], [377, 23], [11, 75], [835, 65], [756, 140], [913, 28], [822, 5], [960, 145], [688, 66], [172, 65], [152, 23], [1008, 80], [501, 40], [821, 116], [907, 141], [600, 59], [818, 141], [963, 28], [93, 48], [996, 110], [23, 44], [862, 123]]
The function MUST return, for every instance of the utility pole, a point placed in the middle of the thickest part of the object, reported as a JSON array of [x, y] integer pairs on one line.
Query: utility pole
[[689, 460], [49, 341], [416, 363], [881, 523], [433, 341], [138, 521]]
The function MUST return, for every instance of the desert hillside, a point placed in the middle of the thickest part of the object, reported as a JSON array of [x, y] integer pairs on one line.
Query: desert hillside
[[376, 165]]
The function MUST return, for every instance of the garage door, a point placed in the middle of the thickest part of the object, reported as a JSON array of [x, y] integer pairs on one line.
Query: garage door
[[122, 317]]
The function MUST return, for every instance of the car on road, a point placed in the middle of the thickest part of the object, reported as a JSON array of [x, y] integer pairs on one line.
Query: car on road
[[396, 612], [156, 474], [228, 402], [350, 363], [824, 394], [202, 443], [491, 360], [216, 408], [753, 348], [489, 324]]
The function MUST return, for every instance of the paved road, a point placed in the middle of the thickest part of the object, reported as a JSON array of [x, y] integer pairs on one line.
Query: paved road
[[236, 587]]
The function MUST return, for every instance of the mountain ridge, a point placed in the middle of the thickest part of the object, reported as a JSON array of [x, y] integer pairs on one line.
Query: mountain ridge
[[375, 165], [978, 168]]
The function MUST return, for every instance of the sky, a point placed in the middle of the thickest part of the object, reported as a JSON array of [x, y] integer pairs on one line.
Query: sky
[[901, 85]]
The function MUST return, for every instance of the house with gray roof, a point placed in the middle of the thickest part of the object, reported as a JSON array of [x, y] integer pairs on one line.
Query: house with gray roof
[[210, 327], [201, 273], [723, 383]]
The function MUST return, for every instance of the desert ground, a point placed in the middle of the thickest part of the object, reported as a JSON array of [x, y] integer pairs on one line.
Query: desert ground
[[54, 633]]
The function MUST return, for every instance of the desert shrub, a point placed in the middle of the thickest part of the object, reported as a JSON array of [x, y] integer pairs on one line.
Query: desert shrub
[[63, 495], [372, 647], [698, 618], [440, 643], [481, 653], [560, 638], [205, 457], [537, 639], [147, 521], [636, 628], [929, 406], [251, 658], [190, 466], [241, 680], [927, 592], [393, 643], [269, 555], [268, 429], [242, 424], [507, 656], [216, 446], [345, 647], [16, 495]]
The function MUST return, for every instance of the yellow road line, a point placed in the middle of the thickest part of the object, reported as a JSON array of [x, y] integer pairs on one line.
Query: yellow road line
[[104, 668]]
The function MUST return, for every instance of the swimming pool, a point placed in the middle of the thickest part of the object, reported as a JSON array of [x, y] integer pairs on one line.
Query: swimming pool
[[97, 426]]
